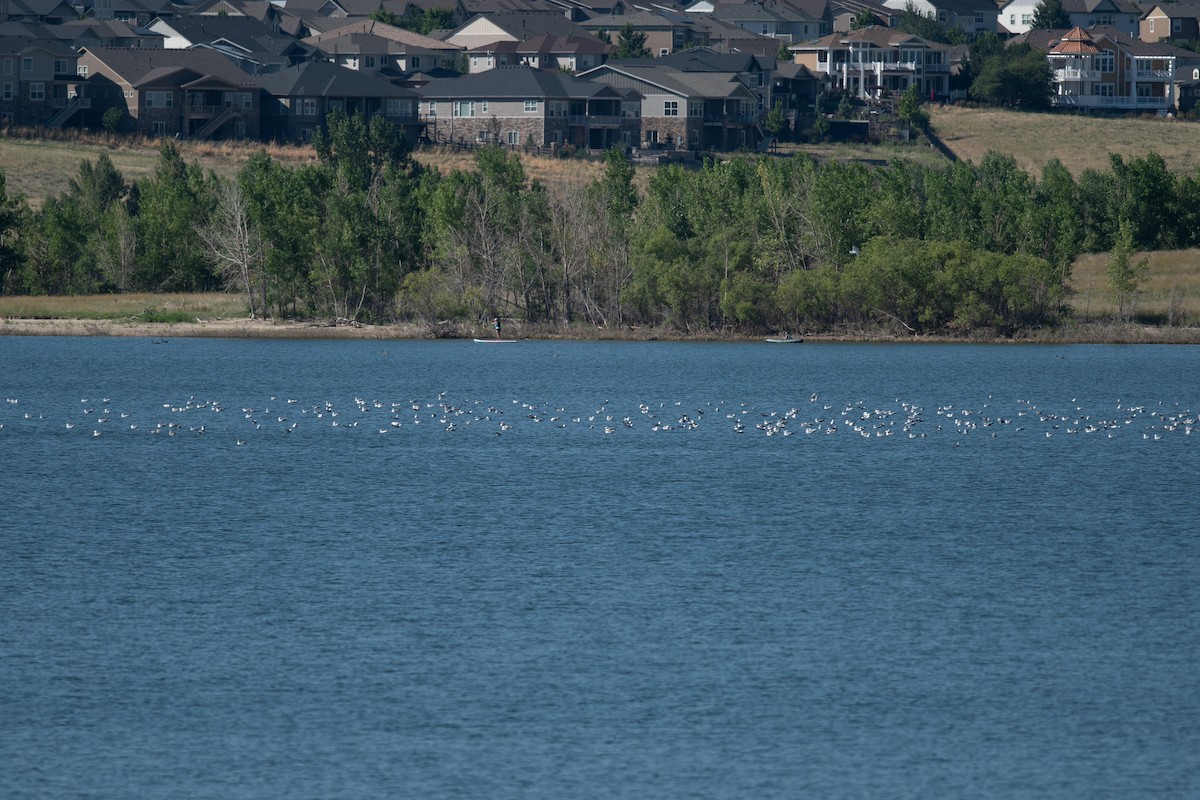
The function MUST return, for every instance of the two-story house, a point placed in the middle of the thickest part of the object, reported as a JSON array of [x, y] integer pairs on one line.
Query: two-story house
[[36, 78], [685, 110], [1017, 16], [1104, 69], [519, 106], [372, 46], [569, 53], [188, 93], [972, 16], [785, 20], [665, 31], [870, 60], [253, 44], [296, 100], [1178, 21]]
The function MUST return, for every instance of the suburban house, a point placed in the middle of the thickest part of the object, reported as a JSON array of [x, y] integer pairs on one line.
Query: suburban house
[[1171, 21], [189, 93], [297, 99], [134, 12], [371, 46], [844, 13], [1017, 16], [785, 20], [870, 60], [521, 105], [665, 31], [756, 72], [973, 16], [36, 81], [47, 12], [252, 44], [571, 53], [687, 110], [1103, 69], [85, 33], [512, 26]]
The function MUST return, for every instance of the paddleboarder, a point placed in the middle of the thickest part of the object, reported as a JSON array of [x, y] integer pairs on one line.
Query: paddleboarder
[[496, 325]]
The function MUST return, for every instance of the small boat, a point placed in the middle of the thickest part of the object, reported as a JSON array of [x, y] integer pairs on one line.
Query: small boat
[[789, 339], [497, 341]]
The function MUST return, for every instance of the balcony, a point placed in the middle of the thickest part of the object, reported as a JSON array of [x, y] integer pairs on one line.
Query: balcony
[[1153, 74], [1076, 74], [1118, 103]]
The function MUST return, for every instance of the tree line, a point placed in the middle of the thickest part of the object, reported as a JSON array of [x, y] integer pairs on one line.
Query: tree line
[[754, 243]]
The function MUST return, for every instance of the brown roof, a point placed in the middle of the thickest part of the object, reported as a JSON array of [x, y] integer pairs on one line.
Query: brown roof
[[1076, 42]]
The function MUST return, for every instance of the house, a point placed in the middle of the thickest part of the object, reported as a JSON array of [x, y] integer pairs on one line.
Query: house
[[49, 12], [569, 53], [138, 13], [1017, 16], [254, 45], [787, 21], [86, 33], [36, 81], [297, 100], [512, 26], [372, 46], [972, 16], [665, 31], [844, 13], [870, 60], [187, 93], [522, 105], [701, 110], [1103, 69], [755, 71], [1179, 21]]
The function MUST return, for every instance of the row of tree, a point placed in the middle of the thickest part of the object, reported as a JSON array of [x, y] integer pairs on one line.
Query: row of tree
[[755, 242]]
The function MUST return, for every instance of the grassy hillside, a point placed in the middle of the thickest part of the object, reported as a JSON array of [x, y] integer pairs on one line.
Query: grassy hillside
[[1078, 142]]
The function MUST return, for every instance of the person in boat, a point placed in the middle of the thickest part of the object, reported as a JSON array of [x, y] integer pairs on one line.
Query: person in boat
[[496, 325]]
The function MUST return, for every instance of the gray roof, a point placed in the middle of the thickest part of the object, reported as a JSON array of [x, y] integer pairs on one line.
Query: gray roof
[[23, 44], [524, 24], [137, 66], [322, 79], [676, 81]]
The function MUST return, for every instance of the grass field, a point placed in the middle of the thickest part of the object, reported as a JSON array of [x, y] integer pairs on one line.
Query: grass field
[[1078, 142], [133, 307], [1170, 295]]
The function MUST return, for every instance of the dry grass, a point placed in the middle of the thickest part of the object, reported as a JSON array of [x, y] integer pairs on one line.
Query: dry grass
[[1171, 294], [1078, 142], [122, 306]]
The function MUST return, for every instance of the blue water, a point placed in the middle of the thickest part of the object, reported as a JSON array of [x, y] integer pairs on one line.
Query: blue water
[[331, 569]]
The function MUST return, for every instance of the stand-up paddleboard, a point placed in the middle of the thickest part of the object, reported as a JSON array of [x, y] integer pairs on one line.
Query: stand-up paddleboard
[[782, 340], [497, 341]]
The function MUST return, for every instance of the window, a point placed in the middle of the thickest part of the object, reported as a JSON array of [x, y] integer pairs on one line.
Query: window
[[483, 136], [369, 62], [671, 108], [414, 62], [483, 108], [1027, 19], [1103, 90], [1176, 26], [159, 100], [82, 70], [26, 65], [556, 108], [695, 108], [8, 66], [531, 106], [663, 51], [464, 108], [160, 128], [396, 107], [308, 107], [8, 91], [1105, 61], [513, 137], [306, 134], [60, 66]]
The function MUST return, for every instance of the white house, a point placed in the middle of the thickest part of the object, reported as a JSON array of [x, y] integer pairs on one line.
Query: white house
[[1124, 15]]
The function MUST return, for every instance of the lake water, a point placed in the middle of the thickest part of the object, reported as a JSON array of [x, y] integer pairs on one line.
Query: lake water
[[350, 569]]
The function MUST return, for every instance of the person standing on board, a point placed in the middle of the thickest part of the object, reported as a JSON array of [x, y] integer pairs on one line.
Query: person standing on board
[[496, 325]]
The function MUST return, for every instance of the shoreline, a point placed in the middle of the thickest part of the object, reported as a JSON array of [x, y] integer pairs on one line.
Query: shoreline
[[224, 328]]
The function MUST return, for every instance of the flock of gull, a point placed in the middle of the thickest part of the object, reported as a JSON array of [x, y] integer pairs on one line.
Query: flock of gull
[[813, 416]]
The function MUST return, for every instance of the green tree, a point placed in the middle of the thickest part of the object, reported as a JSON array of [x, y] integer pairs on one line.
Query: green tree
[[1125, 274], [1016, 77], [170, 205], [631, 43], [910, 108], [775, 122], [865, 18], [1049, 15]]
